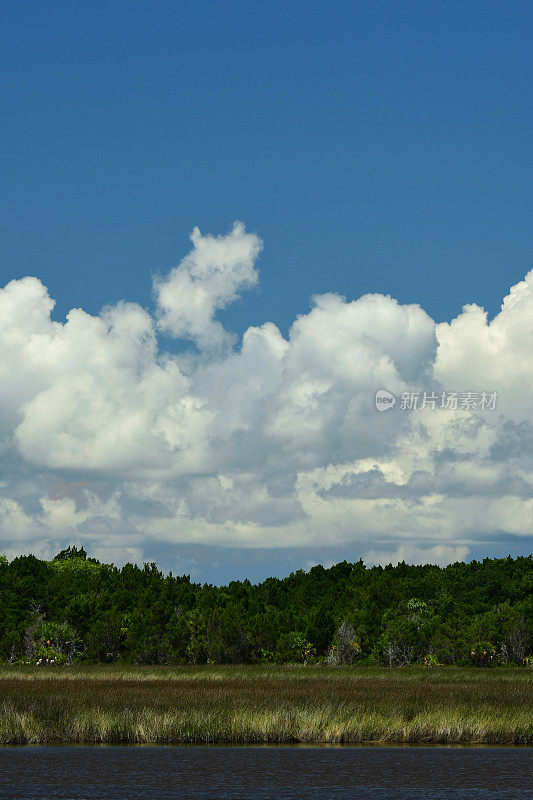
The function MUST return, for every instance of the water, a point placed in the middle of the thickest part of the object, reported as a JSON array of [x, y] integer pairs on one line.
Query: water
[[258, 773]]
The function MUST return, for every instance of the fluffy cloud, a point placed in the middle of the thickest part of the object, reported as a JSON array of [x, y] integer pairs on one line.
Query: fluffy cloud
[[496, 355], [269, 442], [208, 279]]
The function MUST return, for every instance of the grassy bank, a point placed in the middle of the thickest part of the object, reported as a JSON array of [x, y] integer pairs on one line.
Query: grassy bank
[[265, 704]]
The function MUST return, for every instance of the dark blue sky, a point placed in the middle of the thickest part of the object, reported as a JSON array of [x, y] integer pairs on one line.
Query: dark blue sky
[[375, 146]]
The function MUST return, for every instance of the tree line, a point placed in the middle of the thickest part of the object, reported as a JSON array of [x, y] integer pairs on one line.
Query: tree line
[[74, 609]]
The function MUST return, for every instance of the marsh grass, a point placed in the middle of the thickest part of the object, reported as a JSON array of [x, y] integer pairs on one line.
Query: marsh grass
[[259, 704]]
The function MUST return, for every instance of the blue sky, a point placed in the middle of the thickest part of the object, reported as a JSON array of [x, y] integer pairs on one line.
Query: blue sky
[[375, 147]]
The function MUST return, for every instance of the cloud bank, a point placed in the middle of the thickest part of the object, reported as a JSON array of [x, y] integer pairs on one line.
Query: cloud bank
[[106, 438]]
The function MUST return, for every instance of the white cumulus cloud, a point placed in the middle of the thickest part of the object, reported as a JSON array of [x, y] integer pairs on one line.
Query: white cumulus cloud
[[208, 279], [270, 441]]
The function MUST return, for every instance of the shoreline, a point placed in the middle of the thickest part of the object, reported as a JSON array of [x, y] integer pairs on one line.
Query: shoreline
[[257, 746]]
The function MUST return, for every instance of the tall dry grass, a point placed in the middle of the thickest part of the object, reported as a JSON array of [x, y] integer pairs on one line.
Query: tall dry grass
[[261, 704]]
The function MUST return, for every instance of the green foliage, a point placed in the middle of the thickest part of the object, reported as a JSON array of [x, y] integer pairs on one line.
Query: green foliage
[[71, 552], [294, 648], [75, 609], [48, 643]]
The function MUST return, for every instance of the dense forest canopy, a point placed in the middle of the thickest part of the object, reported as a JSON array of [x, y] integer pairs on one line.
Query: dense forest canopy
[[75, 609]]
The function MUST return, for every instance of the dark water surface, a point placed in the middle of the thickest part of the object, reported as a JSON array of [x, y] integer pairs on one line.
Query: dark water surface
[[257, 773]]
